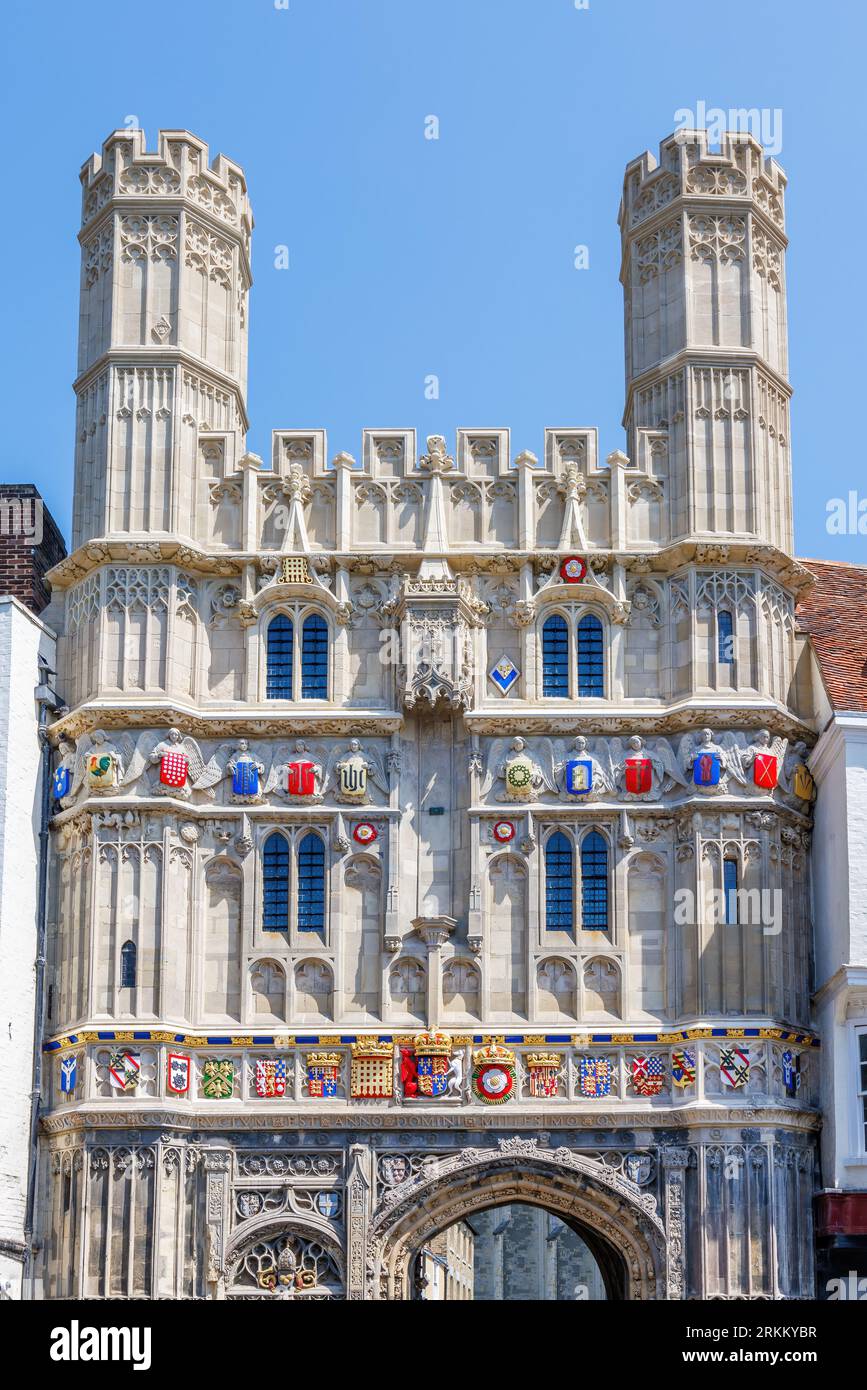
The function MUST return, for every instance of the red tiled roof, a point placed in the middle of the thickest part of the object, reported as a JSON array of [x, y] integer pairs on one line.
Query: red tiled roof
[[834, 613]]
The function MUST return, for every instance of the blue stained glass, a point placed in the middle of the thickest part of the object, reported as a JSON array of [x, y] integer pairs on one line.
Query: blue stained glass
[[275, 880], [730, 888], [594, 883], [725, 637], [311, 884], [555, 657], [591, 657], [559, 885], [278, 684], [314, 658]]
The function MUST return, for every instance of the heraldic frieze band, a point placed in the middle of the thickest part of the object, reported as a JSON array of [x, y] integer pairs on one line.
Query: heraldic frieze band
[[430, 822]]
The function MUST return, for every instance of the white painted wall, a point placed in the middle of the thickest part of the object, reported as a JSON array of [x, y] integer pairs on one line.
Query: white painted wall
[[22, 638], [839, 764]]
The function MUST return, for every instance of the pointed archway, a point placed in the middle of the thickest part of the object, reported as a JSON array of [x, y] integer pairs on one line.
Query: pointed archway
[[619, 1222]]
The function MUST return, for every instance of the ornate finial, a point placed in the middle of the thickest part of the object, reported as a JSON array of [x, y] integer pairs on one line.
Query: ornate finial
[[437, 459]]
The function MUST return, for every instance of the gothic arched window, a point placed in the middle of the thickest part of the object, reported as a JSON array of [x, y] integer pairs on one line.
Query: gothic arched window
[[559, 885], [311, 883], [591, 656], [594, 883], [730, 890], [555, 657], [128, 955], [314, 658], [725, 637], [279, 658], [275, 881]]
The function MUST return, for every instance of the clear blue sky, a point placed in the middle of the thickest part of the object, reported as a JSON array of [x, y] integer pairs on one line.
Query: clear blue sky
[[454, 257]]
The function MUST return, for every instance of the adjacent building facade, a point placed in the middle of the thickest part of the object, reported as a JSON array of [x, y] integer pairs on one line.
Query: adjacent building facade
[[432, 825], [831, 615], [29, 545]]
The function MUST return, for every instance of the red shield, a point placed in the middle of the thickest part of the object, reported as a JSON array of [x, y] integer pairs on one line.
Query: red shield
[[639, 775], [765, 771], [173, 769], [300, 779]]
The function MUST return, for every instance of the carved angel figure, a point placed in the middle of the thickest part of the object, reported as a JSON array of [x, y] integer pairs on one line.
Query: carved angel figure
[[525, 772], [349, 769], [180, 763], [64, 771], [795, 777], [765, 757], [580, 773], [644, 769], [297, 771], [105, 765], [709, 762], [235, 761]]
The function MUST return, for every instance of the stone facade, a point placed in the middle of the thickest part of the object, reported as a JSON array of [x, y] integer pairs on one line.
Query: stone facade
[[405, 790]]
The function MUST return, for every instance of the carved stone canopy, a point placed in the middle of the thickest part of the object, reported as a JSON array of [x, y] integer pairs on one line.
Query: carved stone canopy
[[434, 931]]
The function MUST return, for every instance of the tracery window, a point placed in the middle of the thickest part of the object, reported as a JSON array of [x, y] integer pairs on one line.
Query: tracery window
[[594, 883], [730, 890], [555, 657], [591, 657], [559, 883], [292, 665], [573, 657], [280, 646], [293, 882]]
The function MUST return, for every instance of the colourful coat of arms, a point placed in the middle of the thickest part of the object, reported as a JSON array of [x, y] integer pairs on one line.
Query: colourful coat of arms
[[791, 1073], [765, 769], [579, 777], [102, 770], [647, 1075], [371, 1073], [544, 1069], [178, 1073], [301, 778], [683, 1067], [123, 1070], [433, 1053], [173, 769], [245, 778], [639, 775], [706, 769], [352, 778], [323, 1071], [518, 773], [595, 1076], [270, 1077], [493, 1073], [218, 1078], [734, 1066], [802, 783], [68, 1074], [62, 781]]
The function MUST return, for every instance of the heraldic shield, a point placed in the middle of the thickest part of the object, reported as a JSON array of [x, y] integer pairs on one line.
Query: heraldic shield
[[301, 779], [706, 770], [518, 775], [639, 775], [579, 777], [352, 775]]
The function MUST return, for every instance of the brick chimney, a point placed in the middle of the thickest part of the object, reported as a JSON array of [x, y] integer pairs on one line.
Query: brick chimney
[[30, 544]]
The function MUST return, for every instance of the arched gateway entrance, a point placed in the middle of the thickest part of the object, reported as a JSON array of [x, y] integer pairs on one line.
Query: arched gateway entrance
[[618, 1222]]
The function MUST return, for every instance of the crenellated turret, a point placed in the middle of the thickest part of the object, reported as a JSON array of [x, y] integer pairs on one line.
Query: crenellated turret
[[707, 409], [162, 354]]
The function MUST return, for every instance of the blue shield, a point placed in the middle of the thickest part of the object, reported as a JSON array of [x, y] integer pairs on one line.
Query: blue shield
[[62, 779], [579, 777], [68, 1074], [245, 780], [791, 1073], [706, 770]]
